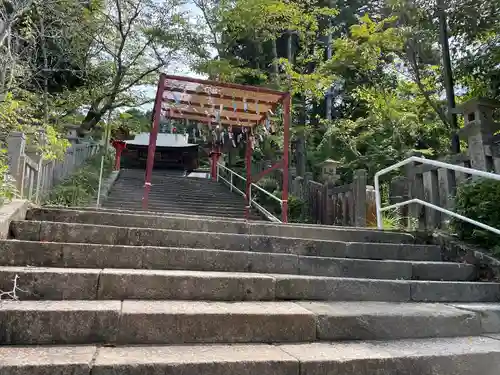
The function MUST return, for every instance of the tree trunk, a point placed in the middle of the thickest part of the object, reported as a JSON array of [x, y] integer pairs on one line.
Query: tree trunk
[[276, 73], [94, 115], [301, 141]]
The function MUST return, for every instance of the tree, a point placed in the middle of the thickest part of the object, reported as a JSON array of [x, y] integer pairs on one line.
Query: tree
[[41, 45], [132, 41]]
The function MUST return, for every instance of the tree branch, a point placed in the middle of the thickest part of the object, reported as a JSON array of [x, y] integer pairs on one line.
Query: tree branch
[[412, 58]]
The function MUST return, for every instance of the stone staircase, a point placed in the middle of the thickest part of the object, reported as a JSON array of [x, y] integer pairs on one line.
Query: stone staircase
[[173, 193], [117, 293]]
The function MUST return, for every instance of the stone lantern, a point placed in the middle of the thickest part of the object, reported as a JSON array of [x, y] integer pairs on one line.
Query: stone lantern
[[72, 133], [479, 128], [329, 171]]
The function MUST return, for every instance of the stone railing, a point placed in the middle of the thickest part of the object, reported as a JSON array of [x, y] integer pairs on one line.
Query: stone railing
[[35, 177], [438, 185]]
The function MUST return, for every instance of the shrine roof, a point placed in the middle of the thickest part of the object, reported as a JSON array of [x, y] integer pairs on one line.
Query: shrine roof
[[216, 102], [163, 140]]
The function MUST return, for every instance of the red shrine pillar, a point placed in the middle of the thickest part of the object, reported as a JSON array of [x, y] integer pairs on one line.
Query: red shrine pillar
[[119, 146], [214, 155]]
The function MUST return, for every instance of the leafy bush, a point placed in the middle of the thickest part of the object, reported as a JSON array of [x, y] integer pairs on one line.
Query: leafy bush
[[81, 187], [478, 200], [296, 209]]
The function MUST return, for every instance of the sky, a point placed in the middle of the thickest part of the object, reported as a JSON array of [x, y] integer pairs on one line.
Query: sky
[[180, 68]]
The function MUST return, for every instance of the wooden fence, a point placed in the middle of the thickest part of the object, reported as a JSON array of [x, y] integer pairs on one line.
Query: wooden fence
[[34, 177], [347, 205]]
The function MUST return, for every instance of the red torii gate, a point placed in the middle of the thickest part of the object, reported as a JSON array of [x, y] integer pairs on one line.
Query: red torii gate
[[218, 103]]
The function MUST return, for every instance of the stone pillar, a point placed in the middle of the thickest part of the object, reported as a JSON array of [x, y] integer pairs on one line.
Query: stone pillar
[[16, 146], [478, 130], [359, 197], [399, 192], [415, 191], [42, 140], [431, 195]]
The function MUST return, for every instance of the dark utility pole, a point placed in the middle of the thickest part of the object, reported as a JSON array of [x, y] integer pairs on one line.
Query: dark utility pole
[[448, 75], [328, 103]]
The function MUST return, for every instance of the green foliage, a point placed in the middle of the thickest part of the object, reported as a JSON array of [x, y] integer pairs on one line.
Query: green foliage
[[19, 112], [295, 205], [397, 121], [368, 43], [7, 187], [81, 187], [478, 200]]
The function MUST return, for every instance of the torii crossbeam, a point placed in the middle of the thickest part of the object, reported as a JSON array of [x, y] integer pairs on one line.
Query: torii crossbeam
[[217, 103]]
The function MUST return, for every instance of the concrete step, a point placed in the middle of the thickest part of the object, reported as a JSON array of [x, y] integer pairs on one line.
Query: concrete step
[[112, 235], [218, 225], [56, 254], [442, 356], [185, 322], [87, 284]]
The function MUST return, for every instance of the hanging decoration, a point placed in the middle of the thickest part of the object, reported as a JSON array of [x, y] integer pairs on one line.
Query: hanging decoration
[[231, 136], [177, 99], [268, 124]]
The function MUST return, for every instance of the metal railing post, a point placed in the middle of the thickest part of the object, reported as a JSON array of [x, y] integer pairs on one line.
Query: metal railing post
[[231, 180], [378, 202], [217, 171]]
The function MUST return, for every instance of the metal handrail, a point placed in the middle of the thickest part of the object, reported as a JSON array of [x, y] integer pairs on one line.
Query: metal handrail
[[268, 193], [251, 201], [231, 174], [435, 163]]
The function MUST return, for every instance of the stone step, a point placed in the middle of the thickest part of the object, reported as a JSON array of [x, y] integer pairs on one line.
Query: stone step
[[185, 322], [234, 214], [180, 191], [170, 180], [170, 185], [398, 241], [154, 322], [442, 356], [88, 284], [185, 200], [78, 255], [113, 235], [106, 210], [174, 207], [179, 205], [187, 195]]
